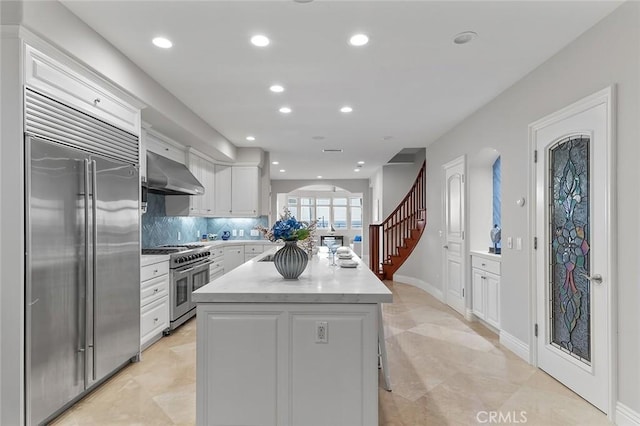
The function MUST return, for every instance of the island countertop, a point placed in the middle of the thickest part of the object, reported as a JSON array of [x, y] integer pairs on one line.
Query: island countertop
[[258, 281]]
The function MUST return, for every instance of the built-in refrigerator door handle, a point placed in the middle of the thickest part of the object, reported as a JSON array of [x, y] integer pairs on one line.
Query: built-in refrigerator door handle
[[94, 222], [83, 348]]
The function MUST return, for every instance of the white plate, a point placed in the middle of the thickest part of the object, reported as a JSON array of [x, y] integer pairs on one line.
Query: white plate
[[345, 256], [348, 264], [343, 249]]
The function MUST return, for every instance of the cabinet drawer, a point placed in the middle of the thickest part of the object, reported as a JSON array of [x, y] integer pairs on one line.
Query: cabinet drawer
[[55, 79], [216, 252], [154, 289], [488, 265], [253, 249], [154, 270], [154, 318]]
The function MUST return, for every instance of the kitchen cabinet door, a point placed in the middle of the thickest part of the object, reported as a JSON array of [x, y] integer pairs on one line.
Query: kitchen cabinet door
[[222, 191], [478, 293], [233, 257], [208, 181], [492, 283], [245, 191]]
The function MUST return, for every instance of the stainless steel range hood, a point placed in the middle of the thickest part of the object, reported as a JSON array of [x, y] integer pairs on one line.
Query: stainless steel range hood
[[170, 177]]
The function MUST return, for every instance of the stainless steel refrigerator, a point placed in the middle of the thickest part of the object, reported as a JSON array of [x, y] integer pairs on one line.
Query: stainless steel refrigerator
[[82, 254]]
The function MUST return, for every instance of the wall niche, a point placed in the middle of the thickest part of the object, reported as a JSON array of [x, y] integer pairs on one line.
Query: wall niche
[[484, 198]]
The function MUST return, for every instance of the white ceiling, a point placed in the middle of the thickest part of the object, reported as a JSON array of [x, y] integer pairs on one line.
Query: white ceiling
[[410, 83]]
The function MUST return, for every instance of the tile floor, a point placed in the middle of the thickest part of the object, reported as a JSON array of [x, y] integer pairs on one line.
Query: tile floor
[[444, 371]]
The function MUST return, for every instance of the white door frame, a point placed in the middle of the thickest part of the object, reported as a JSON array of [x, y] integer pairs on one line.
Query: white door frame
[[607, 97], [464, 251]]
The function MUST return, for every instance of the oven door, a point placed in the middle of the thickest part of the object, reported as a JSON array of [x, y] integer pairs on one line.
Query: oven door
[[181, 289], [199, 278]]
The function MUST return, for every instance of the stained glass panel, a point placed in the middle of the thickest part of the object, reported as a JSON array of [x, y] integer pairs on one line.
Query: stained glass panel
[[569, 247]]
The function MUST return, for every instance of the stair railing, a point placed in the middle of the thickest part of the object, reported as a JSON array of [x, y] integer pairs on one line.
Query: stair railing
[[386, 238]]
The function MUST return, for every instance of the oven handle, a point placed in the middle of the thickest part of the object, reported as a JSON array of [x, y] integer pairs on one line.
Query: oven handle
[[199, 265]]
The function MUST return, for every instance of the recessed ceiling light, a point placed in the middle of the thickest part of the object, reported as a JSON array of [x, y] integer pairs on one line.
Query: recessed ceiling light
[[275, 163], [260, 40], [162, 42], [319, 177], [251, 138], [465, 37], [282, 170], [346, 109], [276, 88], [360, 162], [318, 138], [285, 110], [356, 170], [359, 40]]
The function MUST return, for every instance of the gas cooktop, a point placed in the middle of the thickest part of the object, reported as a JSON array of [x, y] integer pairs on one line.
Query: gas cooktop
[[172, 248]]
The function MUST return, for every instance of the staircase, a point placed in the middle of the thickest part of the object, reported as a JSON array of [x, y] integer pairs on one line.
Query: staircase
[[392, 241]]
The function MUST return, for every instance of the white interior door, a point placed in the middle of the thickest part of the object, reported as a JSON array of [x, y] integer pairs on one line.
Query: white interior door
[[454, 248], [572, 260]]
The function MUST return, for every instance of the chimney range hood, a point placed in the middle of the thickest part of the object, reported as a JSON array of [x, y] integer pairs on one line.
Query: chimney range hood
[[169, 177]]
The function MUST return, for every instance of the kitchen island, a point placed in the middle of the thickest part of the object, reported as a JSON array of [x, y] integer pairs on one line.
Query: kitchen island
[[277, 352]]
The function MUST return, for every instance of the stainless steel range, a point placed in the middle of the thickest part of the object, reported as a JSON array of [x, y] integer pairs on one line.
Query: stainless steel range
[[188, 271]]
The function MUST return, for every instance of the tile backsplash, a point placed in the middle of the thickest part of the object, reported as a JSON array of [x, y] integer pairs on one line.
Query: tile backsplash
[[159, 229]]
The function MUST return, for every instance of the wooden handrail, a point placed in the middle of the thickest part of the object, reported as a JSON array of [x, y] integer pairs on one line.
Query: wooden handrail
[[387, 238]]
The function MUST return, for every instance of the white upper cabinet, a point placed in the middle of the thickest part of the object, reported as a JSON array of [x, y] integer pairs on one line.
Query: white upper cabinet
[[60, 81], [157, 143], [245, 191], [222, 191]]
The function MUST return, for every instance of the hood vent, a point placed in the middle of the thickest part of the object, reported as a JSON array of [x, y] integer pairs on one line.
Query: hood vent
[[169, 177]]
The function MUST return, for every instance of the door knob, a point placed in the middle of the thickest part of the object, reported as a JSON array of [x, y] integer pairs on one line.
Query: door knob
[[596, 278]]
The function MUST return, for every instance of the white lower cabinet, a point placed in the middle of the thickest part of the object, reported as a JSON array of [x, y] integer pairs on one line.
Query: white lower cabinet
[[154, 302], [216, 268], [252, 250], [273, 364], [233, 257], [485, 289]]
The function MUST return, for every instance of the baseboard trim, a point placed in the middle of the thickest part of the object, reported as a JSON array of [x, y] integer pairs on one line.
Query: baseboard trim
[[625, 416], [515, 345], [429, 288], [468, 315]]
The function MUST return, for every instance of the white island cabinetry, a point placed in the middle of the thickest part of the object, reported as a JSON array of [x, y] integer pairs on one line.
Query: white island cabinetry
[[278, 352]]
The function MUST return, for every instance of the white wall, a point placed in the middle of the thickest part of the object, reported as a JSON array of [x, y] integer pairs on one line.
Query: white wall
[[11, 226], [396, 183], [608, 53], [480, 187], [375, 183]]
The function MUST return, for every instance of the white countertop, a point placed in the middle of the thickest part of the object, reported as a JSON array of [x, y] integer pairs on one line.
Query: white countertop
[[486, 255], [259, 282], [150, 259]]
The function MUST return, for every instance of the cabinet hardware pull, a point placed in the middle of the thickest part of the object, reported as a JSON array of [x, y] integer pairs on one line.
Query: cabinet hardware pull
[[155, 271], [155, 320], [156, 290], [96, 101]]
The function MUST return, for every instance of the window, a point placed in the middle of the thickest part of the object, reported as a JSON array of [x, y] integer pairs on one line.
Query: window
[[356, 213], [340, 211]]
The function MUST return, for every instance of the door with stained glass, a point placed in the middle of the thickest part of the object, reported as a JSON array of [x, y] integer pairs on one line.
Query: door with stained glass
[[572, 257]]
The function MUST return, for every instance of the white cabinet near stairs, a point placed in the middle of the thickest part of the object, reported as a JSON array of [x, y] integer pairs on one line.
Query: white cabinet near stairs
[[485, 288]]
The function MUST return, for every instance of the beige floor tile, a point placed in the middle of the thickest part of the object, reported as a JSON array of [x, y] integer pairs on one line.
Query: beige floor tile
[[444, 371]]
